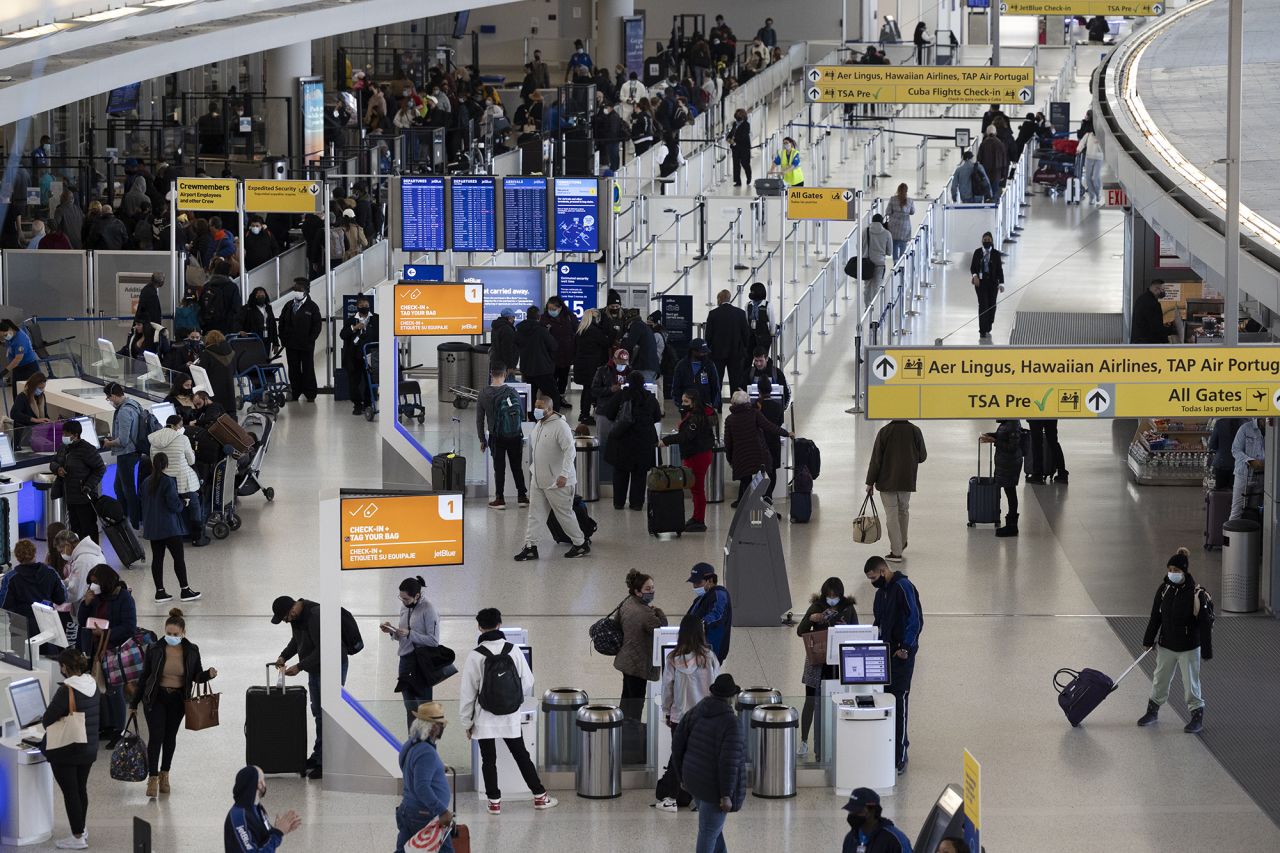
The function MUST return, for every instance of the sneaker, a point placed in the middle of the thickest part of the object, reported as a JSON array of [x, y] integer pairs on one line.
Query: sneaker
[[530, 552], [802, 750], [546, 801], [189, 594], [316, 772], [1035, 480], [523, 500], [74, 842], [497, 503], [162, 596], [667, 804], [694, 527], [579, 550], [893, 558], [495, 807]]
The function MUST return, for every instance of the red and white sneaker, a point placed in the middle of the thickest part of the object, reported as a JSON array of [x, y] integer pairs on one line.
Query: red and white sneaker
[[495, 807], [545, 801]]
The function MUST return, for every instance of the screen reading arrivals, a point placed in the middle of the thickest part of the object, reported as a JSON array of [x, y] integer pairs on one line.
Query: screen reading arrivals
[[475, 215], [422, 214], [524, 214], [577, 214]]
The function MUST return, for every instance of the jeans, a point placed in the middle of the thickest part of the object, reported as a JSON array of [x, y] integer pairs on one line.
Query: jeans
[[73, 779], [127, 487], [710, 828], [1093, 178], [489, 766], [897, 513], [164, 718], [899, 249], [412, 698], [900, 672], [507, 450], [174, 545], [409, 821], [1189, 663], [313, 689]]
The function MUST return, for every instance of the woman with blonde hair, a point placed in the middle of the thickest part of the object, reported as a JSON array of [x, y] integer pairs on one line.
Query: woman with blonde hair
[[594, 342]]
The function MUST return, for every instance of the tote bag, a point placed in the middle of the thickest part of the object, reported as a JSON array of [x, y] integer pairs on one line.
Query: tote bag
[[815, 647], [866, 528], [68, 730], [202, 707]]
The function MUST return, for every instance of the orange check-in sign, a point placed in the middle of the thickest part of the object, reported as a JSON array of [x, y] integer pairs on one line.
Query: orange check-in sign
[[397, 531], [439, 309]]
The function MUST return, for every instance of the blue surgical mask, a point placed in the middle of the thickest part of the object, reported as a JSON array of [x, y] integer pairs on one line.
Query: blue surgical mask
[[832, 602], [539, 414], [67, 439], [1175, 577], [699, 591], [39, 392], [646, 597], [172, 640], [554, 312]]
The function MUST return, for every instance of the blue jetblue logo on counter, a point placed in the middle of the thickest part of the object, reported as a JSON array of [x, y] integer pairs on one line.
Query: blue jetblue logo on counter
[[423, 272]]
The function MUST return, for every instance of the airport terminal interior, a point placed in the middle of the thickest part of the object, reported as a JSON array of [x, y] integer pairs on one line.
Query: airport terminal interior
[[470, 162]]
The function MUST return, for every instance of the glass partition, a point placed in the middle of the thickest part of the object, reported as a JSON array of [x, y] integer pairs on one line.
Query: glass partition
[[14, 633]]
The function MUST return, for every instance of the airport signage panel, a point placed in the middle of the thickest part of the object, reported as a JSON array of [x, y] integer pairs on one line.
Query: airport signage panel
[[439, 309], [919, 84], [207, 194], [385, 531]]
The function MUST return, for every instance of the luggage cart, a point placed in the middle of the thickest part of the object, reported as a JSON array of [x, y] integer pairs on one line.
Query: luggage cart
[[222, 502]]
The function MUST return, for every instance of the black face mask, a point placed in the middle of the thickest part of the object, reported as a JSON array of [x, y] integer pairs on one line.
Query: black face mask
[[987, 245], [879, 583], [857, 821], [261, 300]]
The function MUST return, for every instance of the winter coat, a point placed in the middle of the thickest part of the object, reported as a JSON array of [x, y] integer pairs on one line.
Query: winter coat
[[642, 345], [84, 466], [87, 699], [300, 324], [562, 328], [148, 309], [84, 557], [715, 609], [161, 509], [305, 639], [193, 672], [1220, 441], [354, 340], [224, 315], [631, 447], [502, 337], [638, 621], [761, 325], [482, 723], [1178, 616], [552, 453], [259, 248], [1148, 321], [708, 749], [744, 432], [896, 456], [537, 349], [696, 434], [877, 244], [177, 449], [1008, 455], [255, 322], [426, 788], [602, 384], [728, 335], [29, 583], [994, 157], [686, 682], [898, 614], [897, 218], [591, 350], [994, 275], [1090, 147], [220, 363], [118, 609], [706, 381]]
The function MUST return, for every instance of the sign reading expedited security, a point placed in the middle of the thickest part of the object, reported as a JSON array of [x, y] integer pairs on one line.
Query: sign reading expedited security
[[206, 193], [972, 801], [820, 203], [919, 84], [958, 383], [439, 309], [1087, 8], [282, 196], [384, 531]]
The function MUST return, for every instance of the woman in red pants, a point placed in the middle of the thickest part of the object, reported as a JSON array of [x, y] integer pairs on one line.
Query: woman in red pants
[[696, 438]]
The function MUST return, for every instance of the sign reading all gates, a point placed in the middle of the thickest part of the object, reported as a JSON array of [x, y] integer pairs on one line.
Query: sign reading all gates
[[206, 194], [388, 531], [820, 203], [282, 196], [439, 309], [972, 801], [987, 383], [919, 84], [1087, 8]]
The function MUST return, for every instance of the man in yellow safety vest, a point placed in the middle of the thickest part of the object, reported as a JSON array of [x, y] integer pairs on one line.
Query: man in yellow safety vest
[[787, 161]]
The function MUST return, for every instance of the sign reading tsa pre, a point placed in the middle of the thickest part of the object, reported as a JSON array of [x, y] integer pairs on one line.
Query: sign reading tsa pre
[[439, 309], [1085, 8], [384, 531]]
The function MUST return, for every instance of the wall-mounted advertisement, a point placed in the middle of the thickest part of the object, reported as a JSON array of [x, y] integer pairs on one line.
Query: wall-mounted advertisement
[[506, 287], [311, 97]]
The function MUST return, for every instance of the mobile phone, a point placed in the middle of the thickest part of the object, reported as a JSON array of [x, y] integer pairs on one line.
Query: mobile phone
[[94, 622]]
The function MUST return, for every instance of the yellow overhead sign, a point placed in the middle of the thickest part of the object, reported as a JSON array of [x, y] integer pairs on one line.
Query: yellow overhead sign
[[1087, 8], [955, 383], [919, 84], [820, 203], [206, 194], [282, 196]]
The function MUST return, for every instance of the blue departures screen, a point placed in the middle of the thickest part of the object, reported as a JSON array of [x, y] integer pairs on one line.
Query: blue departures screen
[[474, 208], [422, 214], [577, 215], [524, 214]]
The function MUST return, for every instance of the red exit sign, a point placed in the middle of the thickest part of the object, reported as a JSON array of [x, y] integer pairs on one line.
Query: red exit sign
[[1117, 197]]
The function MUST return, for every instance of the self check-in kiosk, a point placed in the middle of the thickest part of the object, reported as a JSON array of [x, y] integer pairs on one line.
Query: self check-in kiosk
[[659, 736], [862, 714], [510, 780]]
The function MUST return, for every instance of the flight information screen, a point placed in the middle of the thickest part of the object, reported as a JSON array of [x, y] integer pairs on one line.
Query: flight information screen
[[422, 214], [524, 214], [475, 215], [577, 214]]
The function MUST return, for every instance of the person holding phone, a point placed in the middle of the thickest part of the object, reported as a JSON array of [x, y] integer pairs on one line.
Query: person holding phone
[[418, 627], [108, 616], [829, 607]]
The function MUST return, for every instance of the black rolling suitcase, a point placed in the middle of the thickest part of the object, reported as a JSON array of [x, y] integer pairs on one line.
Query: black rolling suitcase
[[666, 512], [275, 727], [124, 541], [1086, 690], [984, 493], [585, 521], [448, 472], [770, 186]]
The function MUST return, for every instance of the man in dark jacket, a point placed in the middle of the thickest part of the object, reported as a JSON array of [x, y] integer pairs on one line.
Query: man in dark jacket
[[643, 346], [537, 349], [30, 581], [895, 458], [708, 751], [108, 233], [1148, 316], [359, 331], [502, 341], [869, 830], [900, 619], [987, 271], [246, 827], [562, 324], [711, 604], [300, 326], [260, 245], [79, 468], [1181, 622], [303, 617], [730, 340], [149, 310], [698, 371], [762, 367], [220, 301]]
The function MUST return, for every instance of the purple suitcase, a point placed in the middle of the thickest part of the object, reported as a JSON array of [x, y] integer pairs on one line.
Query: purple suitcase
[[1217, 507], [1086, 690]]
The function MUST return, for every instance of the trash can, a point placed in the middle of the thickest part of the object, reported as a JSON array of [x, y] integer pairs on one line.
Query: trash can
[[748, 701], [479, 366], [53, 510], [559, 738], [715, 474], [773, 737], [669, 454], [587, 465], [454, 359], [599, 775], [1241, 555]]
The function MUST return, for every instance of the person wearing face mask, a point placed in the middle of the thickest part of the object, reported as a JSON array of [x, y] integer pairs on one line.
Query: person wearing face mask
[[300, 326], [259, 318], [552, 476], [29, 409], [591, 349], [72, 763], [219, 361], [687, 675], [247, 827], [260, 245], [426, 794], [829, 607], [110, 600], [1149, 326], [418, 628], [632, 412], [537, 349], [987, 273], [169, 670], [900, 619], [712, 604], [80, 469], [81, 555], [696, 439], [869, 830], [181, 395], [638, 618], [708, 748], [149, 311], [562, 324], [1181, 627], [787, 164], [758, 316], [360, 330], [28, 582], [22, 363]]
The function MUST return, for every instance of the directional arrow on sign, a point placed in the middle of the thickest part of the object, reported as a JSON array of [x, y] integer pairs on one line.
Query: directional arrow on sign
[[1097, 401], [814, 93], [410, 273], [885, 367], [847, 195], [1025, 94], [1275, 399], [814, 75]]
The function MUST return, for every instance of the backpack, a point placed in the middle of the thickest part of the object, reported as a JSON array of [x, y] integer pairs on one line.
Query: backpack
[[625, 418], [977, 183], [210, 306], [147, 424], [501, 692], [352, 642], [507, 414], [807, 455]]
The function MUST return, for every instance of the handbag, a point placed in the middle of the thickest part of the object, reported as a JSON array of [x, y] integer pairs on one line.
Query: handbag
[[815, 647], [429, 839], [129, 758], [124, 664], [866, 528], [202, 707], [68, 730], [606, 633]]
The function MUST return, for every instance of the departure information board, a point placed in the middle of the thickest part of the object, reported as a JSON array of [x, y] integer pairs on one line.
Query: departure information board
[[524, 214], [422, 215], [577, 202], [475, 215]]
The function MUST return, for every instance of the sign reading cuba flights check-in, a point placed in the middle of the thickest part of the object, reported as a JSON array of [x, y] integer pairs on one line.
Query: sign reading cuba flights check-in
[[919, 84], [983, 383]]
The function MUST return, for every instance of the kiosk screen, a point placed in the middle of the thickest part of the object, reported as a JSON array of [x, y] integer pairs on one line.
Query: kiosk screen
[[864, 663]]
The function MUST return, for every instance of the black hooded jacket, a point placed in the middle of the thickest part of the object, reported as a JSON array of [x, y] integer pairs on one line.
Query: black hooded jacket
[[1175, 621], [247, 826]]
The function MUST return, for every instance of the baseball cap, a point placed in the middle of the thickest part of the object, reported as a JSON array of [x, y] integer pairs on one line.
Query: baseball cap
[[698, 345], [860, 798], [507, 312], [700, 571], [280, 608]]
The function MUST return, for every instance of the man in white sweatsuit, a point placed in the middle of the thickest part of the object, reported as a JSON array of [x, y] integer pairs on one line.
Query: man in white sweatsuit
[[551, 481]]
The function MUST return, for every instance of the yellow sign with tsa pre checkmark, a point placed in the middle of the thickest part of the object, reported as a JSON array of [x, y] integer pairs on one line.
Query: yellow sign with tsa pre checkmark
[[919, 84]]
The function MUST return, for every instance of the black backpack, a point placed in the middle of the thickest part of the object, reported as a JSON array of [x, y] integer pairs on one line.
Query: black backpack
[[977, 183], [147, 424], [352, 642], [501, 692], [210, 305]]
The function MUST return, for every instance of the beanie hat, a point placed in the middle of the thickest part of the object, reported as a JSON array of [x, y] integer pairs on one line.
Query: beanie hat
[[1179, 560]]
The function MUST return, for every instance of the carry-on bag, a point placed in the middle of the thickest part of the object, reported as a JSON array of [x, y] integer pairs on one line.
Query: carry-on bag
[[123, 539], [585, 521], [800, 496], [866, 528], [1217, 507], [984, 493], [1084, 690], [275, 727], [201, 707], [129, 758], [807, 454], [227, 431], [770, 186], [666, 512], [668, 478], [448, 472]]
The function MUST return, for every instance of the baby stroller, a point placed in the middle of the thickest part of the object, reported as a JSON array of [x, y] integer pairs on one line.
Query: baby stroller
[[249, 465]]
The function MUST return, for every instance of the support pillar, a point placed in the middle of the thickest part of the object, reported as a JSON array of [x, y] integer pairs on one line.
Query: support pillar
[[283, 66], [608, 47]]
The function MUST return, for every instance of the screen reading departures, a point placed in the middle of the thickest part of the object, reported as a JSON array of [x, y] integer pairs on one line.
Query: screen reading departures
[[524, 214], [384, 531], [475, 215], [577, 204], [422, 214]]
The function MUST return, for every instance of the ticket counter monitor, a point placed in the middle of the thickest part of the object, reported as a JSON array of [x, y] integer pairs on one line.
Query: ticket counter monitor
[[864, 721], [755, 567], [510, 780], [27, 816]]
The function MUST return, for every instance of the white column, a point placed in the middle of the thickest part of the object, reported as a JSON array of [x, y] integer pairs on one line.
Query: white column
[[283, 66], [607, 51]]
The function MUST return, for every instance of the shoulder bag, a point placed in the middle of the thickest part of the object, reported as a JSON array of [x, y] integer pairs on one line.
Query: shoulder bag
[[866, 528], [68, 730], [202, 707], [606, 633], [815, 647]]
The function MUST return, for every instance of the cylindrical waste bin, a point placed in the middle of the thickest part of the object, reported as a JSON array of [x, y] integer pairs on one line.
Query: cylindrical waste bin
[[1241, 555], [559, 735], [599, 775], [773, 737], [53, 510], [587, 465], [479, 366], [669, 454], [715, 474], [454, 358], [748, 701]]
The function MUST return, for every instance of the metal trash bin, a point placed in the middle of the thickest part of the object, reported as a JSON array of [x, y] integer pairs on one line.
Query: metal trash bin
[[599, 774], [715, 474], [559, 734], [1241, 556], [454, 360], [587, 466], [748, 700], [669, 454], [479, 365], [54, 510], [773, 737]]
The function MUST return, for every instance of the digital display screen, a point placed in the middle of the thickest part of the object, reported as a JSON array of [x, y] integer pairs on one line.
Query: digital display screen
[[164, 411], [312, 90], [524, 214], [123, 100], [577, 285], [475, 215], [577, 204], [422, 214], [423, 272], [7, 459], [27, 698], [864, 663], [506, 287], [397, 531]]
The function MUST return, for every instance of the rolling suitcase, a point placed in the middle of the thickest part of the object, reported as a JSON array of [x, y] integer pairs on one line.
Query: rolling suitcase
[[448, 472], [275, 727], [984, 493], [666, 512], [1217, 507], [585, 521], [800, 496], [770, 186], [227, 431], [123, 539], [1086, 689]]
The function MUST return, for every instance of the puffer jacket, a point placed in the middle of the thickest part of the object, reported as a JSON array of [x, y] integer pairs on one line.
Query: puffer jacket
[[162, 510], [638, 621], [1177, 618], [220, 363], [84, 557], [177, 448], [1008, 464], [632, 447], [537, 349], [562, 329], [744, 444], [686, 682], [591, 351], [707, 748], [87, 698]]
